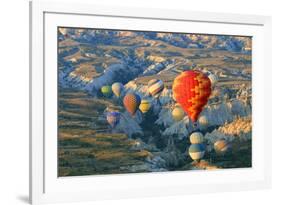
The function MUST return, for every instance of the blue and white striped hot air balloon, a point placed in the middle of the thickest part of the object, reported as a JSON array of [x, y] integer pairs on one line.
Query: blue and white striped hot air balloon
[[196, 151], [155, 87]]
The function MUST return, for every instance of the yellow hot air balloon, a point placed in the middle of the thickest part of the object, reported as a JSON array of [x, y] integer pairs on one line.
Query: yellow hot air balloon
[[117, 89], [144, 106], [178, 113], [196, 138]]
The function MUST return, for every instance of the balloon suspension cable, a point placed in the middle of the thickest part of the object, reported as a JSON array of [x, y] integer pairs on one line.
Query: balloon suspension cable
[[195, 126]]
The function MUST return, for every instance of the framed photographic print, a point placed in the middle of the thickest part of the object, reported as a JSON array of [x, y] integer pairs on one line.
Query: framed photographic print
[[129, 102]]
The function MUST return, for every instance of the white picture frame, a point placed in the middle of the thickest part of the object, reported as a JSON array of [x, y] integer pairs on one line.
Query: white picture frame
[[46, 187]]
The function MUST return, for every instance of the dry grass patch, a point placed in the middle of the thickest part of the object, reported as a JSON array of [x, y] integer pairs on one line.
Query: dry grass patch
[[109, 155], [94, 141], [110, 136]]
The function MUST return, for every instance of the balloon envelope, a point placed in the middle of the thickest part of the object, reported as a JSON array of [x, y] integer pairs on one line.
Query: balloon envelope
[[155, 87], [196, 151], [117, 89], [178, 113], [144, 106], [203, 121], [113, 118], [106, 90], [221, 146], [192, 89], [196, 138], [131, 102]]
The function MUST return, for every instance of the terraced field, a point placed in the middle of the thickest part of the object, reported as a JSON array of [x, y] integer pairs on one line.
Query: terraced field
[[86, 144]]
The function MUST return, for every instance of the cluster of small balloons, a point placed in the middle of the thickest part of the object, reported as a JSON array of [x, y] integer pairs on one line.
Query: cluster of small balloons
[[191, 91], [131, 101], [197, 148]]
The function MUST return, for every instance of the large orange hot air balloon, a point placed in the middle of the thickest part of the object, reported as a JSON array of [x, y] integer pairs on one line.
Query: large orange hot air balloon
[[191, 89], [131, 102]]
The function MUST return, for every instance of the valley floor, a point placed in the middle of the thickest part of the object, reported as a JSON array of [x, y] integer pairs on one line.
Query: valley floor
[[88, 146]]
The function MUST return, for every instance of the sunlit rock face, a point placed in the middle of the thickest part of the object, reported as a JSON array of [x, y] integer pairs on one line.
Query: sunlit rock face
[[129, 125]]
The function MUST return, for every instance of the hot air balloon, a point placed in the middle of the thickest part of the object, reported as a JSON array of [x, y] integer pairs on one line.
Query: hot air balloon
[[191, 89], [144, 106], [196, 138], [221, 146], [213, 78], [155, 87], [203, 121], [196, 151], [113, 118], [117, 89], [106, 90], [131, 102], [178, 113]]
